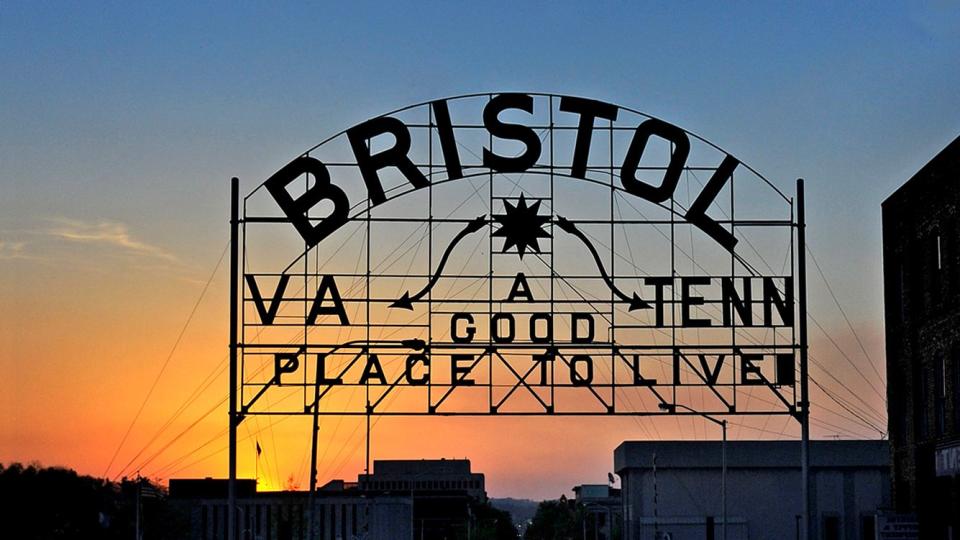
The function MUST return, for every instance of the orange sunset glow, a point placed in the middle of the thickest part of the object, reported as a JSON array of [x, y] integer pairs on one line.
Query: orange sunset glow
[[494, 187]]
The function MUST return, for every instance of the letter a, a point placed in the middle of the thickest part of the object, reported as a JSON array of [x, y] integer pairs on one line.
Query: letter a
[[328, 284], [373, 370], [520, 288]]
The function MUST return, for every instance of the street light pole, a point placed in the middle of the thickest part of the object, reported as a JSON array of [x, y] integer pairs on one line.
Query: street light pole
[[723, 479], [723, 460]]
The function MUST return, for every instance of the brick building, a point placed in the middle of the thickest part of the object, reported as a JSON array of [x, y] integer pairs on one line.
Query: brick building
[[921, 268]]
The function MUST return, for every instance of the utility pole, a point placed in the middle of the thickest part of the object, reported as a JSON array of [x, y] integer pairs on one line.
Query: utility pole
[[723, 461], [138, 535], [723, 480]]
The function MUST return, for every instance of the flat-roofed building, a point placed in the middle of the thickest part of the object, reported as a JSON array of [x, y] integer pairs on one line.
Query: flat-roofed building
[[671, 489], [602, 511], [286, 515], [424, 475]]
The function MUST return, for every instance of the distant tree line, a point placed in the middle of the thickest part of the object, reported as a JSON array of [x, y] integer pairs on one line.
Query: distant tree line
[[46, 503], [491, 523], [43, 503], [561, 519]]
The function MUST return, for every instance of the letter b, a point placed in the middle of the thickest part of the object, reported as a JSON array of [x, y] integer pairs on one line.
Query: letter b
[[296, 209]]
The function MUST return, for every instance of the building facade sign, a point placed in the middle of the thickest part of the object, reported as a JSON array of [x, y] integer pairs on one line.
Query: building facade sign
[[891, 526], [947, 459]]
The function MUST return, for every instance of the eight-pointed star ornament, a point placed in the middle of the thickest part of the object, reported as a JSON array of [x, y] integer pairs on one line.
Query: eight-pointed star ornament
[[521, 226]]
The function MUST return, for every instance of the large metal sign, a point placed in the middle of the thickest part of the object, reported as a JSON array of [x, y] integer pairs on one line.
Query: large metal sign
[[517, 254]]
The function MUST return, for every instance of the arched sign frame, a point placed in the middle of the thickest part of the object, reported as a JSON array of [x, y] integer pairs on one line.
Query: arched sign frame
[[515, 225]]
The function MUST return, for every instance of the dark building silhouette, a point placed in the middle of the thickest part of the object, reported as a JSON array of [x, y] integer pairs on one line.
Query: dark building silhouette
[[602, 511], [921, 269], [415, 499], [339, 511], [442, 491], [424, 475], [673, 488]]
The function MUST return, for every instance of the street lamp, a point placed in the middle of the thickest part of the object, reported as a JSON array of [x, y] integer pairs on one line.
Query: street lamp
[[723, 459]]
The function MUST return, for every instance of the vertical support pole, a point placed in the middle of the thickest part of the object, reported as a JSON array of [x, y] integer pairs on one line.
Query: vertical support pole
[[316, 429], [804, 390], [234, 287], [656, 529], [138, 535], [313, 451], [723, 481]]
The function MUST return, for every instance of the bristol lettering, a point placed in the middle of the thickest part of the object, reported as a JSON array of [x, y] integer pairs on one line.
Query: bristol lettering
[[586, 112]]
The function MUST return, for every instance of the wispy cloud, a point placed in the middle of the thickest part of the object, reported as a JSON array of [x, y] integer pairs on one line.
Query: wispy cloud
[[13, 250], [109, 233]]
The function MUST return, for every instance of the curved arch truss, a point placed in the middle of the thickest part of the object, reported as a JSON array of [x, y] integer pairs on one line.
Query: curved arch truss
[[517, 254]]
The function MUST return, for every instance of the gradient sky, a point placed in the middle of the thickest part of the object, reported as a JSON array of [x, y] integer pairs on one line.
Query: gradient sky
[[120, 124]]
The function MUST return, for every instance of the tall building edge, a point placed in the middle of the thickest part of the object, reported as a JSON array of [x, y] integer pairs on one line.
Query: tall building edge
[[921, 281]]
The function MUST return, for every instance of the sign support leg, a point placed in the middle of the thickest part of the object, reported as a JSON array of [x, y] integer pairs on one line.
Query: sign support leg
[[804, 389], [313, 452], [234, 285]]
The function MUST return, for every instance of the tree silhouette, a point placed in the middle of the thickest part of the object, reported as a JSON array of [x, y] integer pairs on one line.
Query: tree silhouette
[[555, 520], [54, 502]]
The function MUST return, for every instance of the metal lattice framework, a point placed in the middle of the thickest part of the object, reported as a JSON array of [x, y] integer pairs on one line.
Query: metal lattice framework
[[517, 254], [465, 273]]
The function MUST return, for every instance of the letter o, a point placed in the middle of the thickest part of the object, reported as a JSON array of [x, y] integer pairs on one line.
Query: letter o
[[495, 327], [576, 379], [548, 336]]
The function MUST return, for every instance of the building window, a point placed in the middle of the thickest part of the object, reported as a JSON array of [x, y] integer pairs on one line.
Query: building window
[[868, 527], [940, 399], [935, 279], [939, 251], [921, 401], [353, 517], [898, 295], [956, 390], [831, 528], [897, 409]]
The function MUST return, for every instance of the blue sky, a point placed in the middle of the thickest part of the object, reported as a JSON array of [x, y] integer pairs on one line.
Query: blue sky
[[158, 103]]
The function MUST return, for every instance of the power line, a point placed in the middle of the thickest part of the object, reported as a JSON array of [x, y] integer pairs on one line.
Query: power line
[[166, 362], [844, 406], [845, 318], [849, 360]]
